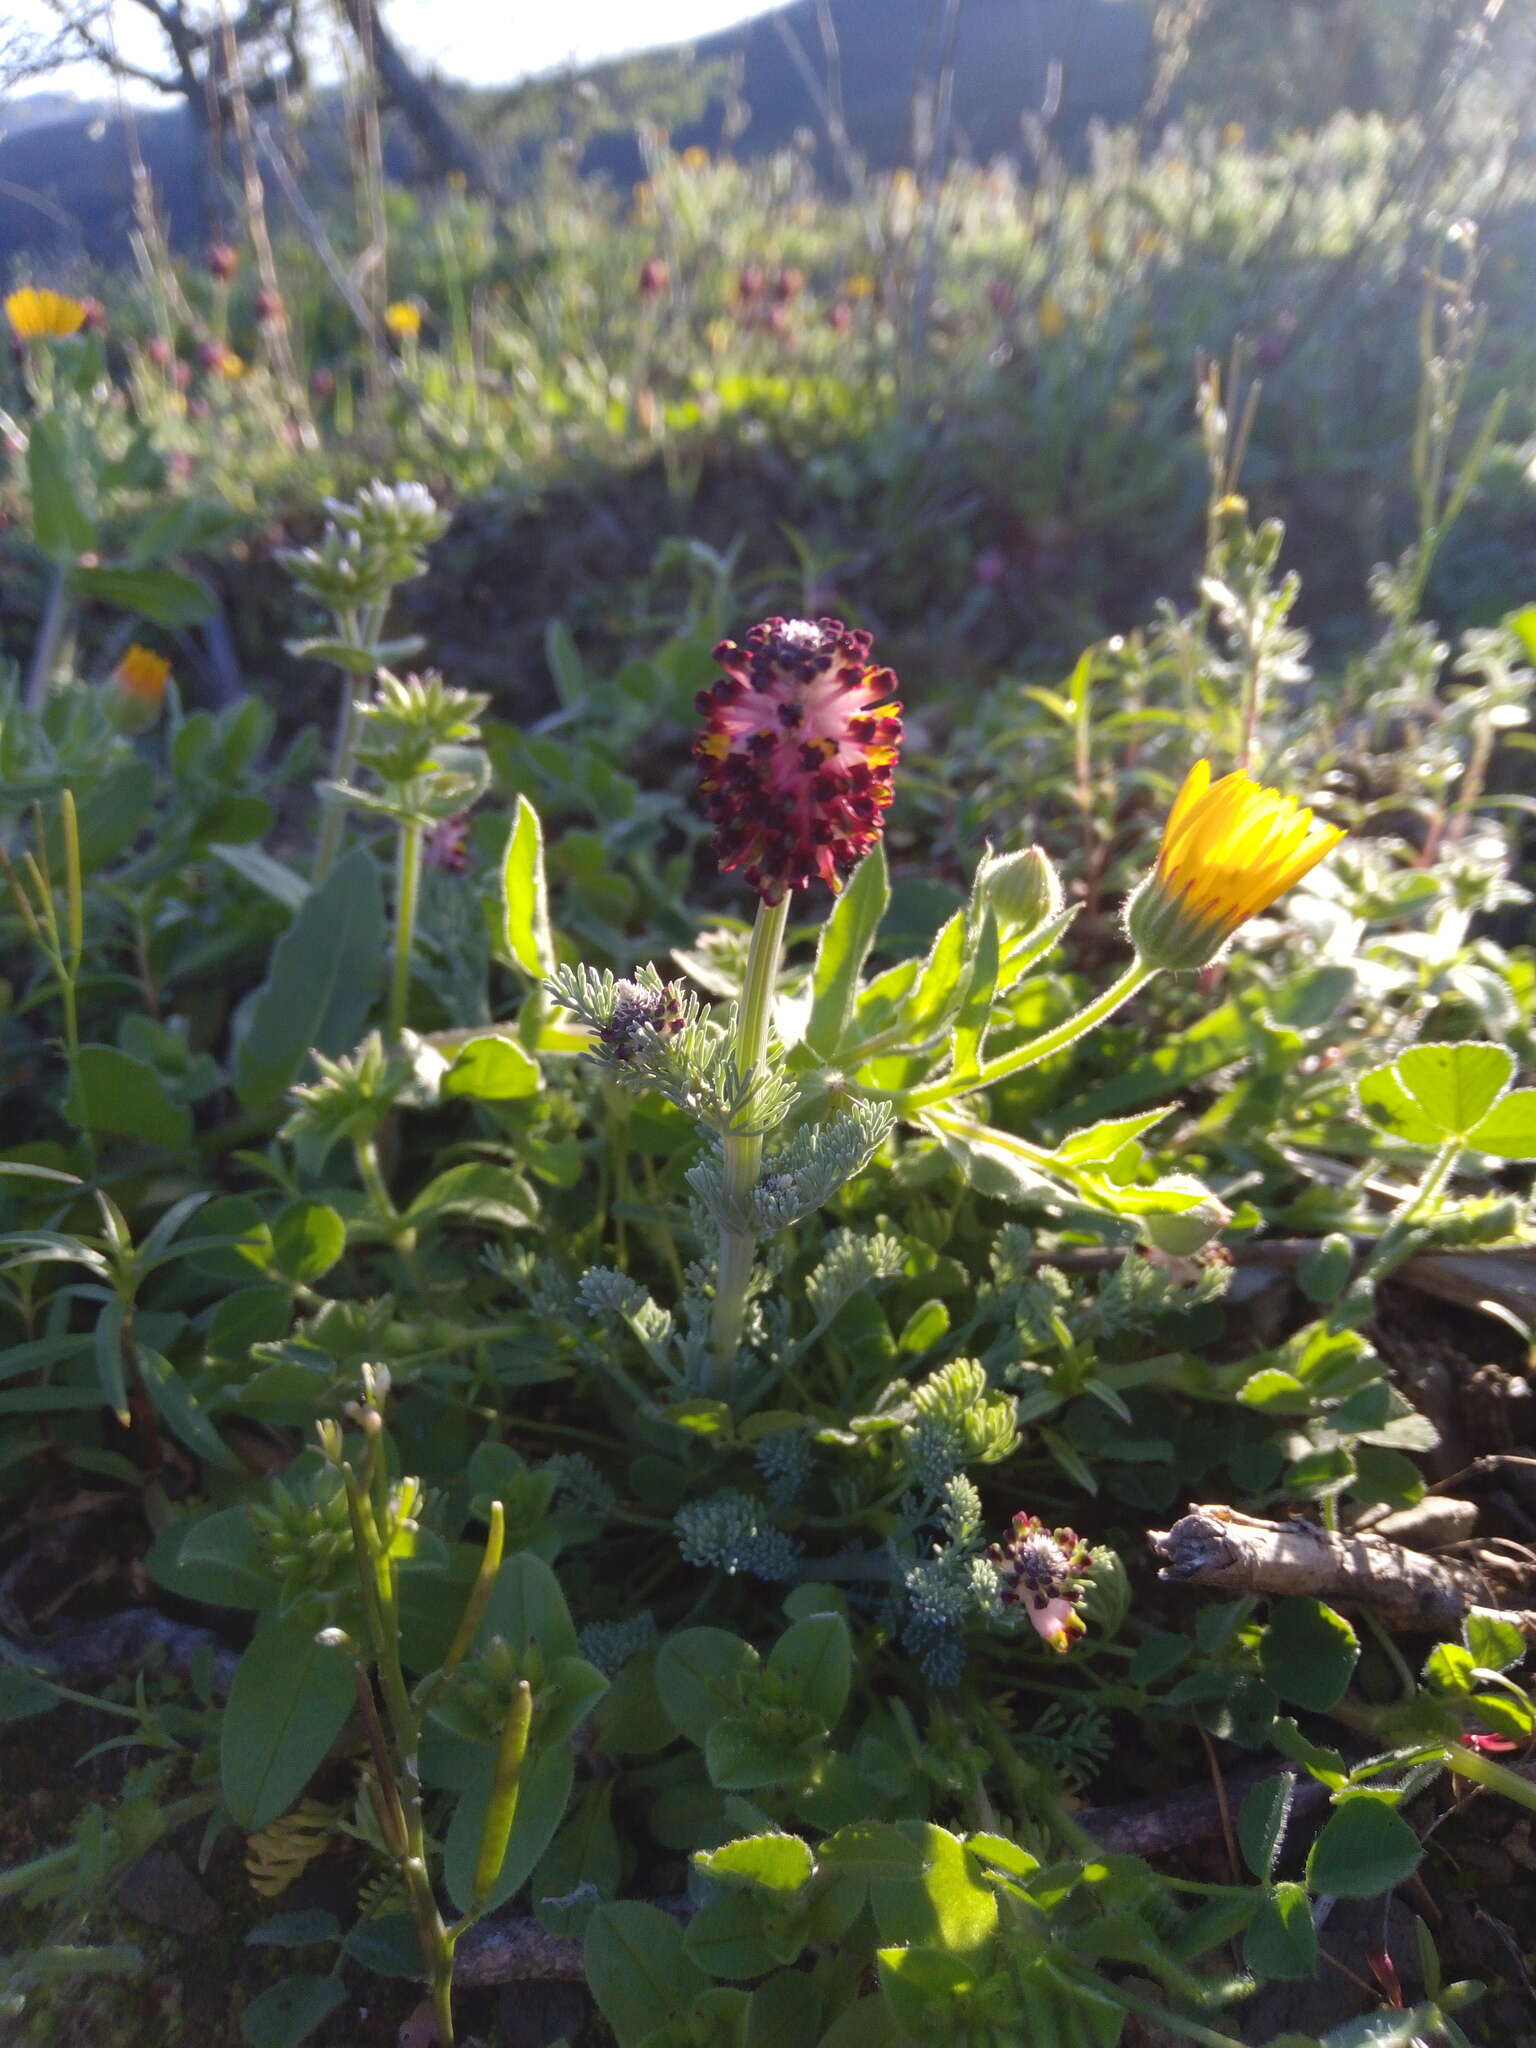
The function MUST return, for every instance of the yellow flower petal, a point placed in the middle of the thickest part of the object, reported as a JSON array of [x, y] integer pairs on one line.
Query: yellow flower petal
[[40, 315], [1230, 849]]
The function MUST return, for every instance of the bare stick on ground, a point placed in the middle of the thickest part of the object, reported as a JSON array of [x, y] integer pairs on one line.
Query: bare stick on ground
[[1409, 1592]]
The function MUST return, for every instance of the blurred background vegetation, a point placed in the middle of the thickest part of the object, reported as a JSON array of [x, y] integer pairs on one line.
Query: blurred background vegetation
[[893, 309]]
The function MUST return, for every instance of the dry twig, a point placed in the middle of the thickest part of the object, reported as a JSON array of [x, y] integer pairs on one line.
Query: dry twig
[[1409, 1592]]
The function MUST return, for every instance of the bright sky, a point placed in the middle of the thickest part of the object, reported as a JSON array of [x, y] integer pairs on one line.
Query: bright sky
[[486, 42]]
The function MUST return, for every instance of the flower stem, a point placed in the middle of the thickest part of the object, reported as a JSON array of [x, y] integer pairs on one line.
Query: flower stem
[[364, 632], [50, 638], [744, 1152], [1056, 1040], [407, 889]]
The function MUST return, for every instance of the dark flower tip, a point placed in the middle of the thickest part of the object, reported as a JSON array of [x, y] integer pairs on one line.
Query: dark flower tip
[[798, 752]]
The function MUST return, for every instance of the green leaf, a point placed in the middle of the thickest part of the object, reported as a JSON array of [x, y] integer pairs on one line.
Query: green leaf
[[777, 1863], [307, 1240], [1448, 1671], [216, 1558], [814, 1660], [637, 1969], [1388, 1105], [1366, 1847], [1326, 1765], [492, 1069], [61, 525], [699, 1676], [1508, 1131], [1495, 1644], [178, 1406], [1261, 1823], [1308, 1653], [495, 1197], [727, 1937], [543, 1796], [741, 1756], [1282, 1942], [1456, 1085], [947, 1905], [786, 2012], [1098, 1144], [325, 973], [111, 1094], [272, 877], [525, 899], [288, 1703], [930, 1992], [565, 665], [584, 1859], [289, 2011], [527, 1606], [846, 939], [164, 596]]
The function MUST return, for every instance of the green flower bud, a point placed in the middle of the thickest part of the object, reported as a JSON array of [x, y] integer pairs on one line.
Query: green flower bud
[[1023, 889]]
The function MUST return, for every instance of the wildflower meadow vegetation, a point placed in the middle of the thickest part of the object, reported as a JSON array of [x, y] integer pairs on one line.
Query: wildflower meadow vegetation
[[766, 1241]]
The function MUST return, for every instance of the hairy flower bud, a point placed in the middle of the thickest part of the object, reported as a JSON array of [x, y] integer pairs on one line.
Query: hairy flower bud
[[1023, 889], [798, 752]]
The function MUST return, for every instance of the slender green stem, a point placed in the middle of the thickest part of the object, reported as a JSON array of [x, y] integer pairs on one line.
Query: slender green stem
[[744, 1152], [50, 638], [1056, 1040], [407, 891], [361, 632], [365, 1152], [1494, 1777]]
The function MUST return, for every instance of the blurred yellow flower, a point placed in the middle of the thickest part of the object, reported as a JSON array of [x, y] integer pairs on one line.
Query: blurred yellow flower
[[1052, 319], [229, 364], [403, 319], [1098, 243], [1230, 849], [860, 286], [42, 315], [1148, 242], [695, 158], [141, 677], [1234, 135]]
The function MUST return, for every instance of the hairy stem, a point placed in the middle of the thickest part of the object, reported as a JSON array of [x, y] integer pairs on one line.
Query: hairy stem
[[1056, 1040], [407, 890], [744, 1152]]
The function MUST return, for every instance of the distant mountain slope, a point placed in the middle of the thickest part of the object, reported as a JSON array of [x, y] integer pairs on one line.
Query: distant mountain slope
[[65, 169], [1004, 56]]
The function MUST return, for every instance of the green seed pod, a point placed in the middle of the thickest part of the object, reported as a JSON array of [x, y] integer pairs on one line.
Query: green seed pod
[[502, 1810]]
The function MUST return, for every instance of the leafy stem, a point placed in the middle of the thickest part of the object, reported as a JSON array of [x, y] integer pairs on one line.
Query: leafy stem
[[744, 1151]]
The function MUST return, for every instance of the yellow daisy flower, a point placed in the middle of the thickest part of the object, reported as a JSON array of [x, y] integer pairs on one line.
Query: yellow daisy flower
[[403, 319], [1230, 849], [41, 315]]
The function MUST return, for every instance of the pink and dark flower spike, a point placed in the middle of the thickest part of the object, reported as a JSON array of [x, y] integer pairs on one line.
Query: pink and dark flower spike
[[1041, 1571], [798, 753]]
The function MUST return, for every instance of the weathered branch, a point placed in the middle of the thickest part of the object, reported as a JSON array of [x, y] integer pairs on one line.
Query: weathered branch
[[1156, 1827], [446, 145], [1236, 1553]]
